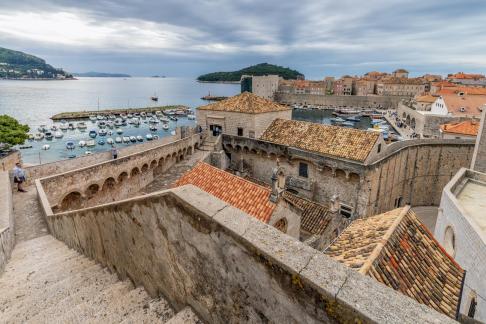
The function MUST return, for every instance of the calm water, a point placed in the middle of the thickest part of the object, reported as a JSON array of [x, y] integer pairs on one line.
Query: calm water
[[324, 117], [34, 102]]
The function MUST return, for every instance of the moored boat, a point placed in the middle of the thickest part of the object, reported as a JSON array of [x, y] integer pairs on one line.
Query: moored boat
[[165, 126], [119, 131], [58, 134], [139, 138], [101, 141], [49, 135], [118, 139], [102, 132], [81, 125], [82, 143], [109, 140], [149, 137], [92, 133], [133, 139], [90, 143], [126, 139], [46, 147], [70, 145], [39, 136]]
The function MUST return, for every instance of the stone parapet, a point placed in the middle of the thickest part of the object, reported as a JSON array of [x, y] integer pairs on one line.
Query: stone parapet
[[198, 251], [7, 222]]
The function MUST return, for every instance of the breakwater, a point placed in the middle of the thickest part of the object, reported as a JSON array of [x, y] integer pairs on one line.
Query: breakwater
[[114, 111]]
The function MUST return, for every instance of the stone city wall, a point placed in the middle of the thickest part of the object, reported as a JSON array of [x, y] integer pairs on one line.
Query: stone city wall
[[387, 102], [7, 162], [197, 251], [49, 169], [114, 179], [7, 222]]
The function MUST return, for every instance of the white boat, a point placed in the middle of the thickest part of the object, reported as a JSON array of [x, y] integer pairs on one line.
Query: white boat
[[119, 131], [158, 113], [109, 140], [149, 137], [91, 143], [164, 119], [156, 137], [70, 145], [130, 121], [102, 132], [153, 128], [46, 147], [71, 126], [92, 118], [118, 139], [165, 126], [139, 138], [111, 117], [118, 122], [191, 117], [81, 125], [38, 136], [48, 135], [54, 128], [101, 124], [143, 114], [153, 120], [42, 128], [88, 152], [58, 134], [133, 139], [63, 126], [129, 116], [110, 124], [31, 137], [126, 139], [109, 133], [100, 117], [135, 121], [82, 143]]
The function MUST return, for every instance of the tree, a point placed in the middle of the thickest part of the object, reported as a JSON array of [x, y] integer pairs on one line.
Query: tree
[[11, 131]]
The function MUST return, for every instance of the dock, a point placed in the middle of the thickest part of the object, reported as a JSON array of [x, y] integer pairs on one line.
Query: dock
[[114, 111]]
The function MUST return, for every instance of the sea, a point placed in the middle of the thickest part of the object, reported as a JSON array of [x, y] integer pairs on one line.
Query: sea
[[34, 102]]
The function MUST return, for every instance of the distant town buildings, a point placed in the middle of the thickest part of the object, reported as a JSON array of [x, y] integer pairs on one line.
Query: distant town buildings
[[467, 79]]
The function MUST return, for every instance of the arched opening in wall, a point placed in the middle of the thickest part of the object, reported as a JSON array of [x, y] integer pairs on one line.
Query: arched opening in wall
[[353, 177], [229, 147], [153, 164], [196, 146], [450, 241], [253, 151], [327, 171], [108, 184], [72, 201], [135, 171], [122, 177], [92, 190], [404, 115], [145, 167], [238, 148], [412, 123], [272, 156], [340, 174], [189, 150], [181, 157], [246, 150], [281, 225]]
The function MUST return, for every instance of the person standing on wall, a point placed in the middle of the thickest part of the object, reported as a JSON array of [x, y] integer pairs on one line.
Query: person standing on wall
[[19, 176], [114, 152]]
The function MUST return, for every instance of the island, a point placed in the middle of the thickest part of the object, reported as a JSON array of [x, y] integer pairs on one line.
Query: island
[[93, 74], [259, 69], [18, 65]]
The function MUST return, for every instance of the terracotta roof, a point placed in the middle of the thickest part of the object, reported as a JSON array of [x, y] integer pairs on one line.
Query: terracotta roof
[[468, 127], [471, 104], [444, 84], [462, 75], [238, 192], [395, 80], [348, 143], [396, 249], [245, 102], [401, 71], [426, 98], [315, 217]]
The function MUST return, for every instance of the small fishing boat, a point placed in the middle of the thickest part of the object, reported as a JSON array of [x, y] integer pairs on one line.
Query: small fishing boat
[[101, 124], [356, 118], [133, 139], [172, 118], [164, 119], [46, 147], [102, 132], [58, 134], [347, 124], [153, 120], [92, 118], [129, 115], [139, 138], [23, 147], [118, 139], [42, 128], [126, 139], [39, 136], [81, 125], [143, 114], [100, 117], [118, 122], [88, 153], [71, 156], [153, 128], [90, 143], [82, 143], [109, 140], [111, 117], [63, 126], [101, 141], [191, 117], [71, 126], [92, 133], [337, 120], [31, 137], [49, 135], [70, 145], [149, 137], [54, 128], [119, 131], [110, 124], [156, 137], [165, 126]]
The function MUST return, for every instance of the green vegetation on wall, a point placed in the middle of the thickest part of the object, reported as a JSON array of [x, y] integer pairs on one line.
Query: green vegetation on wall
[[259, 69], [11, 131]]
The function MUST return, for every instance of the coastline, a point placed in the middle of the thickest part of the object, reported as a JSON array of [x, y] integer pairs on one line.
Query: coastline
[[228, 82]]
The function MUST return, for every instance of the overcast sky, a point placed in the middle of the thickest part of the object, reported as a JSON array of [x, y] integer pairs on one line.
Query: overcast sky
[[187, 38]]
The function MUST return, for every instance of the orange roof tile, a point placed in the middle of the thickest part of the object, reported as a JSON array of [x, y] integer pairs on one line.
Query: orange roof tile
[[426, 98], [249, 197], [245, 102], [352, 144], [462, 75], [468, 127], [396, 249], [465, 105]]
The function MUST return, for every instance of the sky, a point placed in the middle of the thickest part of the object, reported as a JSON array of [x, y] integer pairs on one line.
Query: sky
[[188, 38]]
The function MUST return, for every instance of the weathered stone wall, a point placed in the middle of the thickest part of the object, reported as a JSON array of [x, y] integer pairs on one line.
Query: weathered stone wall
[[7, 162], [479, 159], [414, 173], [114, 179], [388, 102], [49, 169], [229, 267], [7, 222]]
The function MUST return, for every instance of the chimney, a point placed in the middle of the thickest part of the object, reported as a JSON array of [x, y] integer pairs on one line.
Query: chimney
[[335, 204]]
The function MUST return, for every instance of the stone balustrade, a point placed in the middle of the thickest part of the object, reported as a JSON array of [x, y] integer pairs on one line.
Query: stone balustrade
[[198, 251]]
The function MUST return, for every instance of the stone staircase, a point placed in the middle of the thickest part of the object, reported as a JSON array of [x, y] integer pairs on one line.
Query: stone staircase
[[209, 143], [46, 282]]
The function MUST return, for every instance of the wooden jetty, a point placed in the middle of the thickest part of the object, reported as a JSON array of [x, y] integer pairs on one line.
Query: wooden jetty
[[114, 111]]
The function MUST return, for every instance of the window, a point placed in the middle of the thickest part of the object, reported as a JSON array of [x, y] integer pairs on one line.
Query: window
[[449, 241], [346, 211], [379, 148], [251, 134], [240, 131], [303, 170], [472, 307]]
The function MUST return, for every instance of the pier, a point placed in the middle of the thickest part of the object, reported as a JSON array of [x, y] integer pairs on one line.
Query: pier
[[114, 111]]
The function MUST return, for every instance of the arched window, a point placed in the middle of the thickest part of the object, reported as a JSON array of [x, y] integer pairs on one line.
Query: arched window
[[473, 303], [281, 225], [450, 241]]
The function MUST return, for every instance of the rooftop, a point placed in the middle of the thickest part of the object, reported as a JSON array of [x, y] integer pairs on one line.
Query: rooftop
[[471, 198], [468, 127], [245, 195], [395, 80], [347, 143], [426, 98], [464, 105], [245, 102], [396, 249], [462, 75]]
